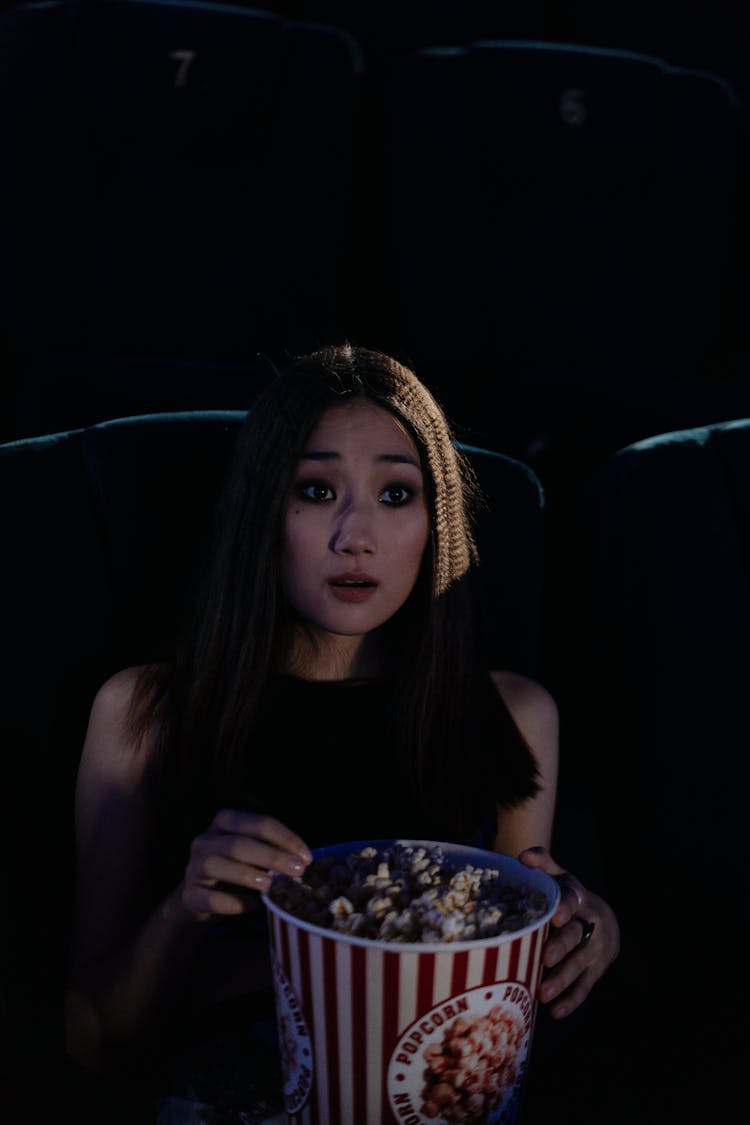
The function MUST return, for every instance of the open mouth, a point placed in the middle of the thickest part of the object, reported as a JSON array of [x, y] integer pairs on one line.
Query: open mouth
[[354, 589]]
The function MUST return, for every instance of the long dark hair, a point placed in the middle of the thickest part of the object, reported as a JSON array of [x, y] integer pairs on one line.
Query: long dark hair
[[205, 703]]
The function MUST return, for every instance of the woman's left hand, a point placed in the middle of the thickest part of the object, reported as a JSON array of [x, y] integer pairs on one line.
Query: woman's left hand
[[574, 962]]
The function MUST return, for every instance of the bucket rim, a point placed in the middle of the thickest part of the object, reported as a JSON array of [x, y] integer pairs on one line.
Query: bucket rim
[[537, 878]]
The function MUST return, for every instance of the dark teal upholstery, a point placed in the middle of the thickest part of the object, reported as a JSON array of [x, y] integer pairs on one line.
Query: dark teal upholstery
[[103, 535], [659, 721], [569, 211], [560, 266], [176, 186]]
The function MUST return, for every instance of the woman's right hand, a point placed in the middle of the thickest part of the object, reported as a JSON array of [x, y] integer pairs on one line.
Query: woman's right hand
[[231, 863]]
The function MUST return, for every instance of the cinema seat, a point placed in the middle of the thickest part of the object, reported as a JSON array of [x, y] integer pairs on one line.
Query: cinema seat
[[558, 225], [103, 533], [176, 189], [657, 720]]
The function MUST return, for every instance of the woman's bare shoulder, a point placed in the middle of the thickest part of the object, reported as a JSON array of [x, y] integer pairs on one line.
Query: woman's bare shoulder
[[116, 693], [530, 703], [110, 744]]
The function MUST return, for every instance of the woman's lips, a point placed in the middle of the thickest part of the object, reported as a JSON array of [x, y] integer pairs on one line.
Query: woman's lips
[[353, 587]]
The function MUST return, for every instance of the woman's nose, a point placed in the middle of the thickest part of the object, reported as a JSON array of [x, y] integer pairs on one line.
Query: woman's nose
[[353, 534]]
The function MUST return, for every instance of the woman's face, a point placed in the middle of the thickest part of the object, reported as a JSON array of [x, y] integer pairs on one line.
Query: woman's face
[[356, 523]]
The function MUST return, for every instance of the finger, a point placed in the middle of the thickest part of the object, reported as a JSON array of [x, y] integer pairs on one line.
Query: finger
[[565, 975], [578, 971], [264, 827], [248, 851], [572, 897], [216, 868], [572, 997], [540, 857], [563, 942], [208, 901]]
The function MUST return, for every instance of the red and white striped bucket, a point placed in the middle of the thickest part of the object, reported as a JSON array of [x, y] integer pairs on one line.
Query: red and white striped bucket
[[392, 1033]]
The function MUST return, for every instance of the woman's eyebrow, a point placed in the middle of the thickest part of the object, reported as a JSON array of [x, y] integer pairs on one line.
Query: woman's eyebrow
[[390, 458]]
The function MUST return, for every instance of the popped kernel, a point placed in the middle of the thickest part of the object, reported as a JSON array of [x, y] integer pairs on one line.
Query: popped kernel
[[406, 893], [341, 907]]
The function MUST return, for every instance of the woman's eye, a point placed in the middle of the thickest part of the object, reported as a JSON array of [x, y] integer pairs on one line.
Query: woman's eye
[[315, 490], [396, 495]]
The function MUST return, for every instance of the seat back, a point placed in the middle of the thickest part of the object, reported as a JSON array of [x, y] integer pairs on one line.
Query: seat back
[[661, 724], [559, 221], [580, 201], [176, 186], [104, 533]]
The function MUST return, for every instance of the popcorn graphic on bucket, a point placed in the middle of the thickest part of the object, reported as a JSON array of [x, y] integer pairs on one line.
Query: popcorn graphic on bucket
[[406, 977]]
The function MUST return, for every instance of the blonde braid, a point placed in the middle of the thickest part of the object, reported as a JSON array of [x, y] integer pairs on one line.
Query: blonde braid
[[455, 548]]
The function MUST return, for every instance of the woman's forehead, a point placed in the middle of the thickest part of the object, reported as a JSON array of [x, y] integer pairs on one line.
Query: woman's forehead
[[358, 422]]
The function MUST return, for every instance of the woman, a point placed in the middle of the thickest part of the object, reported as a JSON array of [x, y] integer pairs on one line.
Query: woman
[[336, 603]]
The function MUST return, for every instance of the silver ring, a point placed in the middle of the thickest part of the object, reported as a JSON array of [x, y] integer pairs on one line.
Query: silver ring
[[565, 882], [588, 929]]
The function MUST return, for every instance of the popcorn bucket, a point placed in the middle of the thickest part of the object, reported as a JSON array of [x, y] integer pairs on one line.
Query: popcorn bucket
[[407, 1033]]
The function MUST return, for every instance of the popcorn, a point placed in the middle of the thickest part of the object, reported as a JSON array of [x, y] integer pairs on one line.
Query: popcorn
[[341, 907], [468, 1073], [406, 893]]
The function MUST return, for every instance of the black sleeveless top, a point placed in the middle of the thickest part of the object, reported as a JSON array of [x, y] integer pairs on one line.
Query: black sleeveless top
[[324, 761], [322, 758]]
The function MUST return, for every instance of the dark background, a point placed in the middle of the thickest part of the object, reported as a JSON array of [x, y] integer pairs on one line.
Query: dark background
[[544, 209]]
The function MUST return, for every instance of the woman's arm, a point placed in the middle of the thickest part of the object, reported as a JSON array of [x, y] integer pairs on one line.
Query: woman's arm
[[133, 964], [534, 712], [125, 963], [573, 965]]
